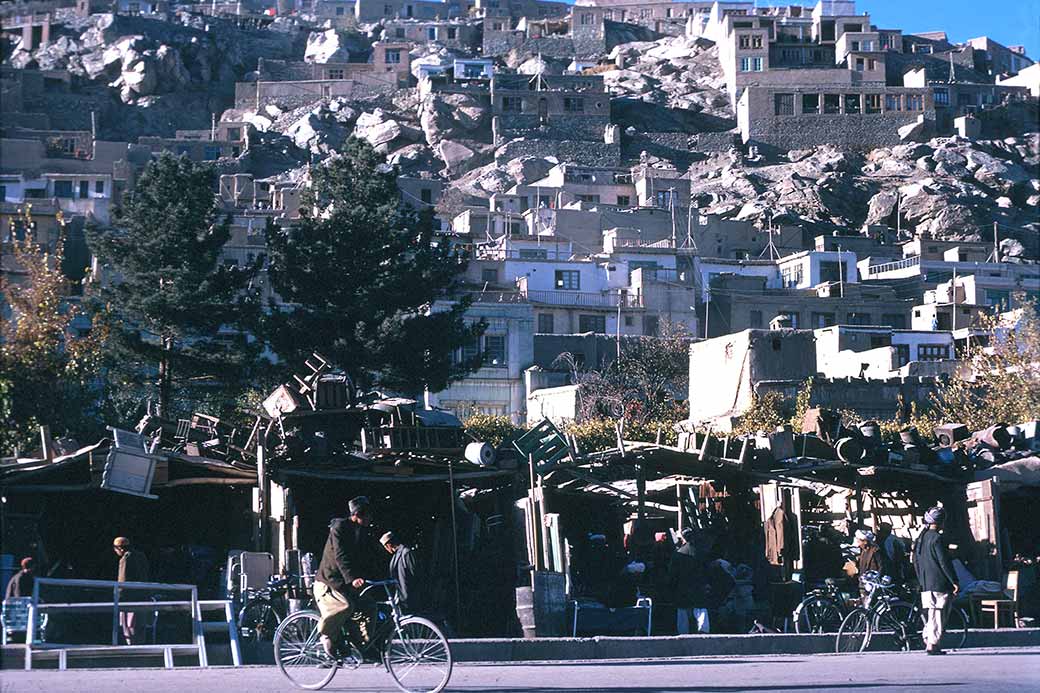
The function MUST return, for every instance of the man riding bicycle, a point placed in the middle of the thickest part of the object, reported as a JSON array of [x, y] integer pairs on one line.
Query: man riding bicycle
[[347, 562]]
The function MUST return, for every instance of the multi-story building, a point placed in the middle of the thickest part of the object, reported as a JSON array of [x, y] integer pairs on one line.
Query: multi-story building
[[450, 33], [558, 107], [662, 16], [880, 353], [581, 35], [997, 60]]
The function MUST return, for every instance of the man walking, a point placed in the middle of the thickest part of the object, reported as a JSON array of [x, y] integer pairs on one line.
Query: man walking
[[937, 578], [21, 583], [688, 578], [403, 569], [346, 563], [133, 567]]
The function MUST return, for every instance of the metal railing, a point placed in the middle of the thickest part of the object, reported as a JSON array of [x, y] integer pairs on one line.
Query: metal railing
[[893, 266], [583, 299], [117, 606]]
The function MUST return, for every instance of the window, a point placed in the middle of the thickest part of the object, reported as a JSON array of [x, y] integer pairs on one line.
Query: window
[[933, 352], [512, 104], [744, 41], [573, 104], [897, 321], [211, 152], [855, 47], [902, 355], [756, 41], [832, 104], [860, 65], [534, 254], [593, 199], [650, 325], [494, 351], [942, 96], [791, 276], [859, 318], [810, 103], [792, 317], [3, 193], [892, 102], [822, 320], [871, 64], [649, 268], [665, 198], [339, 11], [334, 73], [624, 200], [399, 33], [234, 134], [755, 319], [568, 280], [393, 57], [426, 195], [998, 298], [756, 64], [545, 323], [586, 19], [783, 104], [489, 275], [452, 33], [496, 26], [431, 33], [63, 188], [830, 272], [592, 323], [630, 320], [84, 188], [388, 11], [914, 102], [852, 103], [872, 103]]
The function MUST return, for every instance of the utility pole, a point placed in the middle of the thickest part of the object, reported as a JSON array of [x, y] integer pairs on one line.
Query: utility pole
[[620, 298], [995, 257], [841, 280], [707, 309]]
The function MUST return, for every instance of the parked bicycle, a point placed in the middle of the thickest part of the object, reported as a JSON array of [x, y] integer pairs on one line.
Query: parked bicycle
[[264, 609], [822, 610], [412, 649], [886, 612]]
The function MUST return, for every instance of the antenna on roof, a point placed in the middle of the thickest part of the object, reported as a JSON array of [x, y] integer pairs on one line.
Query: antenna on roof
[[770, 248]]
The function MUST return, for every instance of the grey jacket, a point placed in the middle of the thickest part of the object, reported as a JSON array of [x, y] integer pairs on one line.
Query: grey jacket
[[932, 563]]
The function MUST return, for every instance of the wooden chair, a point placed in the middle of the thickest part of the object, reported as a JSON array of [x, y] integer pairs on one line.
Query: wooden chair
[[1003, 606]]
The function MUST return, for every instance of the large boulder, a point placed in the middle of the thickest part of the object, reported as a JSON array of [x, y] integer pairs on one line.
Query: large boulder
[[331, 46], [456, 156], [379, 130], [450, 116]]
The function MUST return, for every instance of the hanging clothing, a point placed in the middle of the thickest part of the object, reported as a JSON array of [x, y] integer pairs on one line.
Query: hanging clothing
[[781, 538]]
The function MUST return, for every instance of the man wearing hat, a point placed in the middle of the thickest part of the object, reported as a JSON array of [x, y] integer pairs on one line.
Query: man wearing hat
[[346, 563], [689, 583], [133, 567], [937, 578], [403, 569]]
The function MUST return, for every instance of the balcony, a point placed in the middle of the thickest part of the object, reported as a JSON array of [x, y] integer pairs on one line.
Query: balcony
[[894, 266], [582, 299]]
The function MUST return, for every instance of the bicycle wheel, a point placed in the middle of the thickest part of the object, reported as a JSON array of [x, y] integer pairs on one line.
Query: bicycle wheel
[[418, 657], [257, 621], [886, 626], [854, 632], [299, 654], [817, 615], [908, 615]]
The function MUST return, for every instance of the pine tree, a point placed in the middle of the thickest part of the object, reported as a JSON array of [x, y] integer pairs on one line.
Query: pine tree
[[359, 275], [179, 318]]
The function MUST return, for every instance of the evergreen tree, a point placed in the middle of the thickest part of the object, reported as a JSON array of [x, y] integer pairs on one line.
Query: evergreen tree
[[178, 317], [360, 274]]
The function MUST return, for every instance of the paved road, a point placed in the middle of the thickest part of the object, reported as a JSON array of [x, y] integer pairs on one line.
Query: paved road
[[989, 671]]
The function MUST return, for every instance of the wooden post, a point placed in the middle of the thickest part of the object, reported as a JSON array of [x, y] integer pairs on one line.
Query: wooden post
[[47, 443], [640, 491]]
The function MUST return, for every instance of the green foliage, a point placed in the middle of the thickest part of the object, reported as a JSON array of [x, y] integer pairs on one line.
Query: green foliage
[[768, 411], [173, 295], [594, 435], [640, 386], [362, 274], [1005, 373], [48, 373], [492, 429]]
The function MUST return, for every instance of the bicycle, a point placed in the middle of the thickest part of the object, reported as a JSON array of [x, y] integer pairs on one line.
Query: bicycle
[[263, 610], [412, 649], [822, 610], [909, 611], [881, 613]]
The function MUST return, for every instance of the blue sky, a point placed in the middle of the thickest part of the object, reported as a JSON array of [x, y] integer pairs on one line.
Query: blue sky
[[1010, 22]]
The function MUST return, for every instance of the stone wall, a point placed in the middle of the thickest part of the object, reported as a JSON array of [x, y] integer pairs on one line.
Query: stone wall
[[583, 153], [501, 42], [871, 399], [559, 127], [289, 95]]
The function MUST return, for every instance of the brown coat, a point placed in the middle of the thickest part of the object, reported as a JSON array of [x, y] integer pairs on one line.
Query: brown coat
[[872, 558], [781, 538]]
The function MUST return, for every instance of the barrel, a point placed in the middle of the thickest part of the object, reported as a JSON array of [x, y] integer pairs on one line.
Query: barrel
[[870, 429], [849, 450], [525, 610], [480, 453]]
